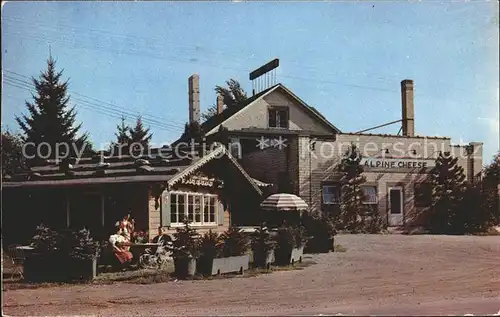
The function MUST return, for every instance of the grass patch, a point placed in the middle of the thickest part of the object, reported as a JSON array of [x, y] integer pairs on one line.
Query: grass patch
[[152, 276], [339, 248], [141, 276]]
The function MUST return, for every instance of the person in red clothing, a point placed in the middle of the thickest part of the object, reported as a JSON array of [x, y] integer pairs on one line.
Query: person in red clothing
[[121, 239]]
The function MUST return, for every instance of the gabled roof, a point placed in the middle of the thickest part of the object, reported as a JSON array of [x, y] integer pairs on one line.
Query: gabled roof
[[219, 119], [160, 165], [228, 112]]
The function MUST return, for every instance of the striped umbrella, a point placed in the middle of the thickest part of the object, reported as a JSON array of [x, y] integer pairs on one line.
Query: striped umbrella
[[283, 202]]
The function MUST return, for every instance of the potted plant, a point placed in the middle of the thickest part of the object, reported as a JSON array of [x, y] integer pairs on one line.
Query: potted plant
[[185, 250], [210, 248], [234, 256], [263, 246], [82, 256], [43, 263], [322, 231], [300, 239], [285, 239]]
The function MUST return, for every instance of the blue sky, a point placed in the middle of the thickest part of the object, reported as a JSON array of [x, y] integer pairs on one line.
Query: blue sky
[[345, 59]]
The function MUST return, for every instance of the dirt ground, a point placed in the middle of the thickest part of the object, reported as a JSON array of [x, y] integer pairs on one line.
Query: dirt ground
[[377, 275]]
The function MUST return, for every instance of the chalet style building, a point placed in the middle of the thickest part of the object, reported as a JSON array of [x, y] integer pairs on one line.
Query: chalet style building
[[279, 139], [204, 185], [271, 141]]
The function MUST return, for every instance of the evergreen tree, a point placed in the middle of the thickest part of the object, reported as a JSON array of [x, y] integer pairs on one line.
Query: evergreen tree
[[121, 145], [448, 188], [192, 132], [50, 120], [13, 160], [122, 134], [352, 208], [232, 95], [139, 134], [490, 195]]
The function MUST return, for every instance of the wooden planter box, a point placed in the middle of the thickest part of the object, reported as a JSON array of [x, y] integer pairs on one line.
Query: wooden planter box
[[296, 255], [289, 256], [56, 268], [225, 265], [184, 267], [263, 260]]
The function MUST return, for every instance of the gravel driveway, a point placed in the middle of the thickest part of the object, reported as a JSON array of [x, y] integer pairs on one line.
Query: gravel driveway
[[379, 274]]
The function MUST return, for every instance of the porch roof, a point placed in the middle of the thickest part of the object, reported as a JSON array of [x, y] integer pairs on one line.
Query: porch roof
[[159, 165]]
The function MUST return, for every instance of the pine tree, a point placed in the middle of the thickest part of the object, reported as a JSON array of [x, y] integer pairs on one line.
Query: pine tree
[[351, 206], [121, 145], [140, 135], [490, 195], [50, 120], [448, 187], [192, 132], [122, 134]]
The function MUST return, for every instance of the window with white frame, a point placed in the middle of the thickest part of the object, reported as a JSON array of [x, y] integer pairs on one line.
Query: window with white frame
[[278, 117], [331, 194], [369, 194], [199, 209]]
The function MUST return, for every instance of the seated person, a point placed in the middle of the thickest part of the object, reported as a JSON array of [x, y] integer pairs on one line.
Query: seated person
[[120, 249], [162, 238]]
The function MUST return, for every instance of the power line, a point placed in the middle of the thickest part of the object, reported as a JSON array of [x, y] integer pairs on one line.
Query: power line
[[190, 61], [195, 48], [106, 104], [96, 107]]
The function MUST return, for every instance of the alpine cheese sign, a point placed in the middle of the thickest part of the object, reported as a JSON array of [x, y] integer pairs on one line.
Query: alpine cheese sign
[[397, 163]]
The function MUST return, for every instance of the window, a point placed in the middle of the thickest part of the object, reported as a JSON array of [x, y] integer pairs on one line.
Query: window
[[423, 195], [235, 148], [278, 118], [331, 194], [369, 194], [200, 209]]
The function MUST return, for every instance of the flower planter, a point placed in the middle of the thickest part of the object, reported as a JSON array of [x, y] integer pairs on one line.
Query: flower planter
[[296, 255], [184, 267], [289, 256], [43, 268], [58, 268], [82, 269], [224, 265], [263, 260]]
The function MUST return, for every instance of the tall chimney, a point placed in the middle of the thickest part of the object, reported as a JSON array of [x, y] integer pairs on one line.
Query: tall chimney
[[220, 103], [194, 98], [408, 109]]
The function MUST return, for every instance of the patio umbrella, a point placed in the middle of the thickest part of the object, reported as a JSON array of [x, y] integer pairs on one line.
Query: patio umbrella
[[283, 202]]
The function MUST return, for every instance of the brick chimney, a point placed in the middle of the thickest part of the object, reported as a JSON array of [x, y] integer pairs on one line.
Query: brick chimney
[[408, 109], [220, 103], [194, 98]]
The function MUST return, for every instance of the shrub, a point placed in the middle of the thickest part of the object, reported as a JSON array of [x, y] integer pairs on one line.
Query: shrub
[[235, 242], [300, 236], [286, 237], [186, 242], [262, 241], [46, 240], [322, 229], [83, 247], [211, 245]]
